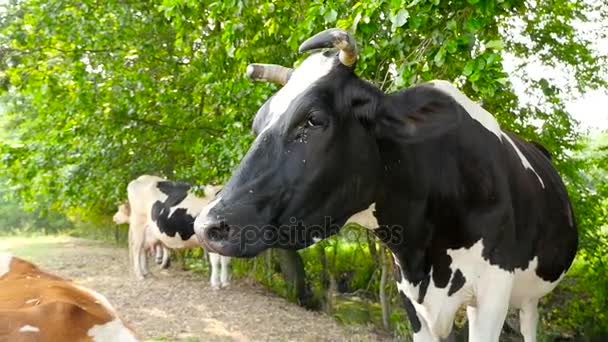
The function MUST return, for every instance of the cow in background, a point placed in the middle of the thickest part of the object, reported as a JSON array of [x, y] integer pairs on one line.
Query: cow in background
[[162, 254], [163, 211], [39, 306]]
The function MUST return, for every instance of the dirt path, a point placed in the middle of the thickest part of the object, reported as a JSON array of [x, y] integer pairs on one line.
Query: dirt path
[[178, 305]]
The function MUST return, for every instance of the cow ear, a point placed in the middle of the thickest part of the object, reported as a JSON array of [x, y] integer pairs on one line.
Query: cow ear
[[417, 115]]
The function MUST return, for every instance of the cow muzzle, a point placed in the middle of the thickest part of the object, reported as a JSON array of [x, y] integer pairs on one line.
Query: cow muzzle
[[235, 241]]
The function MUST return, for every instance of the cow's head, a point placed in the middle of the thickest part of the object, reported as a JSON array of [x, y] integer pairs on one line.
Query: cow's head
[[315, 160], [123, 213]]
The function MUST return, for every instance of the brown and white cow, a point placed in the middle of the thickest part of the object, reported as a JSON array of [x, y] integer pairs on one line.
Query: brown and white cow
[[164, 211], [39, 306]]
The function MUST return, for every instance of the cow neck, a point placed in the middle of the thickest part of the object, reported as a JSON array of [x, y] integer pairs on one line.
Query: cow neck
[[401, 206]]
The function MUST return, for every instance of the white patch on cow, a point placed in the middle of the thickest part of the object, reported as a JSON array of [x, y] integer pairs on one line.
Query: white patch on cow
[[485, 284], [311, 70], [114, 330], [365, 218], [529, 286], [474, 110], [5, 263], [28, 328], [523, 159]]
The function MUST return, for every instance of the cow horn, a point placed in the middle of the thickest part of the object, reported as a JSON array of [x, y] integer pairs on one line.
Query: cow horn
[[334, 38], [269, 72]]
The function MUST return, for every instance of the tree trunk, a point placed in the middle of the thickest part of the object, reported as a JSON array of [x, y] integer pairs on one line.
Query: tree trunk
[[325, 279], [383, 278], [294, 274]]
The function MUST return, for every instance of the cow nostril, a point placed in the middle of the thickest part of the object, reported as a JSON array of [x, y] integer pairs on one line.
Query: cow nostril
[[219, 231]]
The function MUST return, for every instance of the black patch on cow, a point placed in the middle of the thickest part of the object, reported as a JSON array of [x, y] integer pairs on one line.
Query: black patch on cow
[[441, 270], [176, 191], [180, 221], [458, 281], [424, 285], [411, 313]]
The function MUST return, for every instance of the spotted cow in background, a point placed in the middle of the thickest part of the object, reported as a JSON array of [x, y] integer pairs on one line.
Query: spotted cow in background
[[474, 216], [162, 254], [39, 306], [163, 211]]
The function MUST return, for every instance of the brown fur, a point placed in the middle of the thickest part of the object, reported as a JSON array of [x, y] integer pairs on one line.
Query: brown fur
[[57, 307]]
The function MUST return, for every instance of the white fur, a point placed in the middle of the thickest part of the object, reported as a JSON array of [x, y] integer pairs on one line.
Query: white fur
[[476, 112], [174, 242], [524, 160], [28, 328], [114, 330], [312, 69], [120, 217], [5, 263], [488, 292], [219, 262]]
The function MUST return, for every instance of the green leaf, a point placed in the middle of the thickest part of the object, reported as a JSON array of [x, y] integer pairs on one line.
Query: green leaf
[[452, 46], [496, 44], [399, 19], [330, 16], [439, 57], [480, 64], [473, 24], [468, 68]]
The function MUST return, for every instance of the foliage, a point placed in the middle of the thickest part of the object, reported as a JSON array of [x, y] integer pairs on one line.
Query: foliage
[[96, 93], [14, 219], [585, 310]]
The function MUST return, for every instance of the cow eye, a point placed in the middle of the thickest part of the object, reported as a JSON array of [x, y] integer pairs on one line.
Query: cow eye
[[315, 120]]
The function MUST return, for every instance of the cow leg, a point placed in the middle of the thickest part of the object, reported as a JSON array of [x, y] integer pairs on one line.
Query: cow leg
[[492, 307], [136, 243], [214, 260], [158, 250], [225, 276], [143, 262], [424, 334], [528, 319], [166, 262], [472, 317]]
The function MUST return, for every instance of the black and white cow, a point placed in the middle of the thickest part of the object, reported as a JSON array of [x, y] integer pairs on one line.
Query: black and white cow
[[473, 215], [164, 211]]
